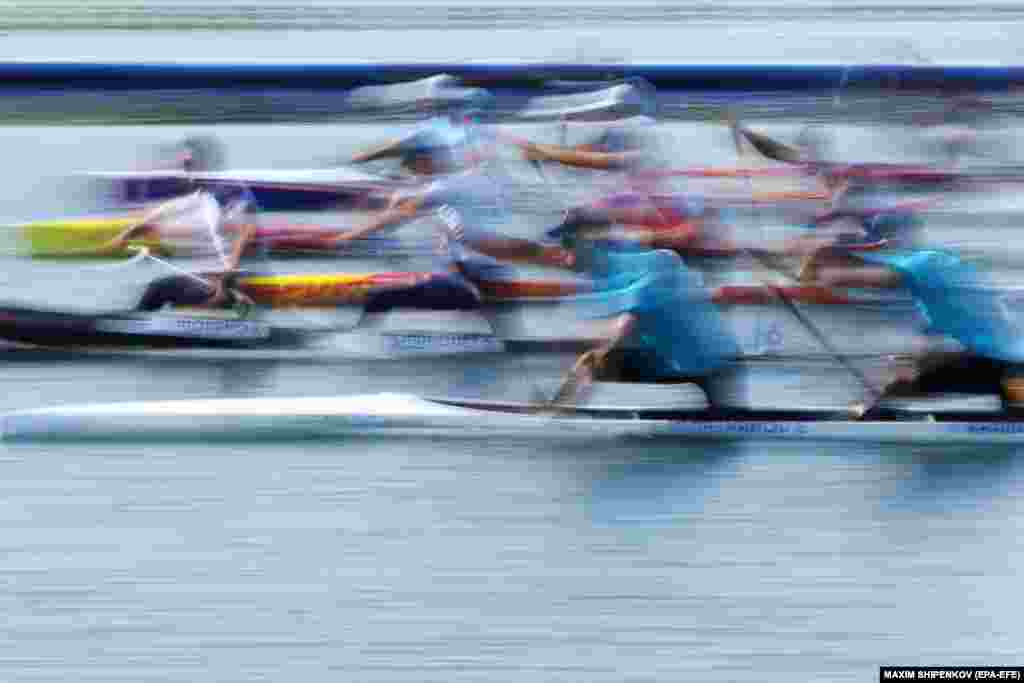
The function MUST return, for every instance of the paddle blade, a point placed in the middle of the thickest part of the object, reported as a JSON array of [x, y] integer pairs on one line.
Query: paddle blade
[[576, 380], [772, 149]]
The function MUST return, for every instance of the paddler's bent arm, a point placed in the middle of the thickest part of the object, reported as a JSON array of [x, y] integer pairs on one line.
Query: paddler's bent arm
[[616, 332], [849, 275], [591, 361], [515, 249], [576, 157], [622, 325], [398, 212], [117, 245], [389, 148], [147, 223], [246, 234]]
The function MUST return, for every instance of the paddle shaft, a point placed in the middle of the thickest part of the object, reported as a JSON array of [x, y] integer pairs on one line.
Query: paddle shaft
[[792, 307], [823, 340], [179, 270], [569, 385]]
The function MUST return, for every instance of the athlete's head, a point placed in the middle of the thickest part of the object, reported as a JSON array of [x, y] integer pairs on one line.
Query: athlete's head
[[201, 153], [428, 161], [472, 107], [433, 149]]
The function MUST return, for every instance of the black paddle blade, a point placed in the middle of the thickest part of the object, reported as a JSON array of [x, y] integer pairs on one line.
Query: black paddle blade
[[772, 149]]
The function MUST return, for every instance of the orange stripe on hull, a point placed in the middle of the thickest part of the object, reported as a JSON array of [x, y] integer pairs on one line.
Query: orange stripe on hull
[[283, 291], [792, 196], [763, 295], [531, 289], [286, 291]]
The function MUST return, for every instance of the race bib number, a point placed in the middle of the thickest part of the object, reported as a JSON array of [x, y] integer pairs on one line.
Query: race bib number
[[452, 229], [768, 338]]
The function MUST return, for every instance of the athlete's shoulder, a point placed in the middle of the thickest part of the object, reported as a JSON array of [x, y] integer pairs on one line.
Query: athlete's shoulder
[[912, 260]]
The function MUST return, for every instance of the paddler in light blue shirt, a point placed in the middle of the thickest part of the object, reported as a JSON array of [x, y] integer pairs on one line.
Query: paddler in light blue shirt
[[447, 155], [455, 126], [957, 303], [663, 328], [441, 128], [466, 209]]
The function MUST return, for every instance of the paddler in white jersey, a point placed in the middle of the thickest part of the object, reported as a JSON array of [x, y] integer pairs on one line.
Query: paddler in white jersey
[[196, 221], [188, 225]]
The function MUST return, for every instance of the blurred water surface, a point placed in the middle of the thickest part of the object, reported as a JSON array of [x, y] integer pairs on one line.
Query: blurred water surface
[[339, 31]]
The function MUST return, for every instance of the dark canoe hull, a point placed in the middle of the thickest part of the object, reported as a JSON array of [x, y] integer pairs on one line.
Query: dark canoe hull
[[55, 329], [297, 197], [35, 332]]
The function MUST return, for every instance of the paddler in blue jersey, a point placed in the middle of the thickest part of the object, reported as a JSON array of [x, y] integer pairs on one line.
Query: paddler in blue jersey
[[956, 304], [662, 328], [888, 251]]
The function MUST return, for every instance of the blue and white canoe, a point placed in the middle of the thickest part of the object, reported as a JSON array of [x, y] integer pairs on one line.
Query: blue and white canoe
[[404, 415], [272, 190], [621, 100]]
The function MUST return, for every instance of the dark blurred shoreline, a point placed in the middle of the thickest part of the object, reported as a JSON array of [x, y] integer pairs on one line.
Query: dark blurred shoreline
[[200, 106]]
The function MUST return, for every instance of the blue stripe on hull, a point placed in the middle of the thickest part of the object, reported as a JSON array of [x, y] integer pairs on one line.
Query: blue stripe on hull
[[268, 198]]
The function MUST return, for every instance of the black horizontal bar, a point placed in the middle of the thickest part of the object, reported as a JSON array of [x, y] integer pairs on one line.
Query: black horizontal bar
[[691, 77]]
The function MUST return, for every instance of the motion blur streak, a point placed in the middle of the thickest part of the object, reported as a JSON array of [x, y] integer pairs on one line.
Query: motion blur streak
[[794, 206]]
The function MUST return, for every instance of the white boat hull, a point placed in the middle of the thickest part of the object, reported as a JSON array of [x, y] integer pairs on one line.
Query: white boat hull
[[396, 415]]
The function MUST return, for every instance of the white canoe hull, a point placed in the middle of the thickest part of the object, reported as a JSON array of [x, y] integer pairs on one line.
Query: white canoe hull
[[396, 415]]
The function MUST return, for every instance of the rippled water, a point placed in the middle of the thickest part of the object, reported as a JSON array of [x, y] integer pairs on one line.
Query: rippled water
[[433, 561]]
